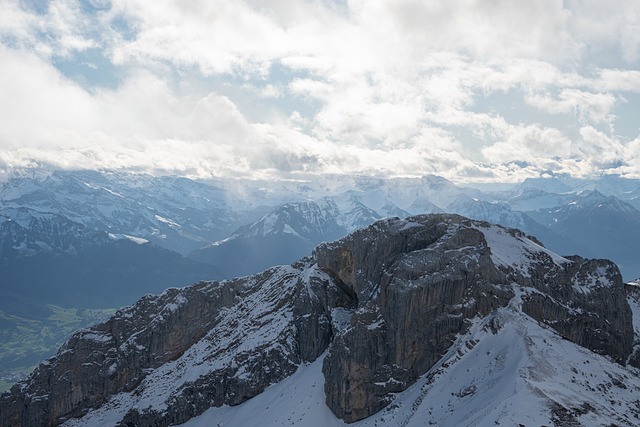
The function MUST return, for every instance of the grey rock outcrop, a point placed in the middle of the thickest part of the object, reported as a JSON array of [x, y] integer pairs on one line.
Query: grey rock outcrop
[[411, 287], [420, 281], [246, 334]]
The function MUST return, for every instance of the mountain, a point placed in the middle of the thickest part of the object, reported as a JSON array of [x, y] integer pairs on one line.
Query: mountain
[[49, 258], [176, 213], [86, 242], [502, 213], [280, 237], [529, 199], [605, 224], [293, 229], [512, 376], [548, 185], [432, 318], [353, 214], [633, 198], [57, 274]]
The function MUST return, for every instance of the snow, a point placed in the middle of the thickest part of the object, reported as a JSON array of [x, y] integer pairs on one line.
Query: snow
[[134, 239], [289, 230], [514, 251], [90, 335], [176, 303], [341, 317], [167, 221], [511, 376], [409, 225], [633, 298], [296, 401], [250, 324], [586, 284], [115, 193]]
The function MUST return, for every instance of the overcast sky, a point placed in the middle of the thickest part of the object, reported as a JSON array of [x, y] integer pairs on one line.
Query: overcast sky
[[473, 90]]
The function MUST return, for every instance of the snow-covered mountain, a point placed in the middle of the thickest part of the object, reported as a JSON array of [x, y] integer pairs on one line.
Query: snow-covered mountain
[[432, 319], [502, 213], [520, 373], [48, 260], [529, 199], [605, 224], [293, 229], [280, 237], [78, 237], [185, 216], [286, 234], [175, 213]]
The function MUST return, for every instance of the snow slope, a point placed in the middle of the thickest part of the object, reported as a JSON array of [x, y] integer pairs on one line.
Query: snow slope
[[507, 370]]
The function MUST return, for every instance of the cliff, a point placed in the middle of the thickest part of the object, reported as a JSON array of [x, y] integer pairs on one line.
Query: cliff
[[386, 303]]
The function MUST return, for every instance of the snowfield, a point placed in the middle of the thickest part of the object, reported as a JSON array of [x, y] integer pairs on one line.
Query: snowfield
[[507, 370]]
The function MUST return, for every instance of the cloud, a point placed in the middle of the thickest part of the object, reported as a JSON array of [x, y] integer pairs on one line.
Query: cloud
[[62, 30], [588, 107], [492, 90], [530, 143], [618, 80]]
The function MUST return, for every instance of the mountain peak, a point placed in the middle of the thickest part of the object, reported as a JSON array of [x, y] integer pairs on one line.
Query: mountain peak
[[385, 305], [550, 185], [436, 181]]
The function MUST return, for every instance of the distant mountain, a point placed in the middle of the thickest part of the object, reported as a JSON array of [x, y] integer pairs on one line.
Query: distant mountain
[[280, 237], [60, 261], [176, 213], [548, 185], [501, 213], [633, 198], [352, 214], [49, 264], [528, 199], [605, 224], [431, 194], [87, 239], [436, 319]]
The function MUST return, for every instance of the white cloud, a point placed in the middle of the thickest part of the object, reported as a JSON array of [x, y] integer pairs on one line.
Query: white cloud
[[602, 150], [618, 80], [587, 106], [602, 26], [61, 31], [530, 143], [396, 87]]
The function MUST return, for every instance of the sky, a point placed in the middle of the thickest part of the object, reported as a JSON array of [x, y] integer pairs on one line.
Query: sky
[[472, 90]]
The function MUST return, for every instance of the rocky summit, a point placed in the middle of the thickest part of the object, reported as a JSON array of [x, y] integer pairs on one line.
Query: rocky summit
[[380, 308]]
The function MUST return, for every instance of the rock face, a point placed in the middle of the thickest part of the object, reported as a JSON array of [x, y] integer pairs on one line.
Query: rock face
[[386, 303], [419, 282]]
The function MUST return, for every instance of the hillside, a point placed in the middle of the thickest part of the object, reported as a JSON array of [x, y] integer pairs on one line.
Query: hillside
[[393, 313]]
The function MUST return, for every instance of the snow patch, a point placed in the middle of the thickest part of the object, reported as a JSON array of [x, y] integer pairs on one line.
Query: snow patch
[[167, 221], [341, 318], [134, 239], [287, 229], [514, 251], [586, 284], [90, 335], [296, 401]]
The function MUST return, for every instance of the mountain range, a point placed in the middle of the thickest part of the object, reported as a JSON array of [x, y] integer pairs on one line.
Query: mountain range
[[88, 240], [432, 319]]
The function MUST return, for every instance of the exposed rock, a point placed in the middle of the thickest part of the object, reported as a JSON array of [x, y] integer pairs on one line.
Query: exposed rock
[[632, 291], [419, 282], [584, 302], [412, 286]]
